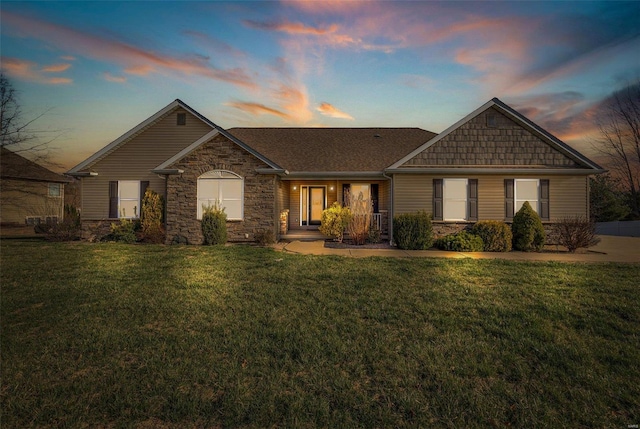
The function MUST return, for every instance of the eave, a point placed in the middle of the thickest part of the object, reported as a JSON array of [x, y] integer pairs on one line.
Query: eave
[[497, 170]]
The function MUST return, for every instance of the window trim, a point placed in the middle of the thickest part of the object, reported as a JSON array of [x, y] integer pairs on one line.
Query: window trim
[[136, 213], [59, 187], [220, 175], [445, 199], [535, 207]]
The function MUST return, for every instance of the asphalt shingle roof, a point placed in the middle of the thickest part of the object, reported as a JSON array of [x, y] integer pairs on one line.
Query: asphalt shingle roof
[[333, 149], [14, 166]]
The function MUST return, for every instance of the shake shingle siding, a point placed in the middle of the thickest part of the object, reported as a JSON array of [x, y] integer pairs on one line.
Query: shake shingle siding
[[506, 144]]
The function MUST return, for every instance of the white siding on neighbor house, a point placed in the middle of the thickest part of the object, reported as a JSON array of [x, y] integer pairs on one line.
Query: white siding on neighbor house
[[136, 158], [568, 195]]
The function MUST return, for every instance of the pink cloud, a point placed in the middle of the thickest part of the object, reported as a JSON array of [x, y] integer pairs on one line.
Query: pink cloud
[[116, 79], [131, 57], [291, 27], [28, 70], [56, 68], [256, 109], [331, 111], [68, 58]]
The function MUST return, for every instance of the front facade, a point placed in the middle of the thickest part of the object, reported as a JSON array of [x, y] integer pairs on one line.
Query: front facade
[[281, 179], [29, 193]]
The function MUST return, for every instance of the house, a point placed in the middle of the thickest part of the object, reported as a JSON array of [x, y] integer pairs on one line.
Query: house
[[29, 193], [482, 167]]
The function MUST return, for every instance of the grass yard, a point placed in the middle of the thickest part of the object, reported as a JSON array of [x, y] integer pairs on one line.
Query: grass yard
[[108, 335]]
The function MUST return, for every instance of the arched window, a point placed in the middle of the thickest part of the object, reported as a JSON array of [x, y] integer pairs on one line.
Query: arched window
[[222, 187]]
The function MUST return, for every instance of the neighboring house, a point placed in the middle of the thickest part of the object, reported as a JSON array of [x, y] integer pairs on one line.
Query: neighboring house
[[29, 193], [483, 167]]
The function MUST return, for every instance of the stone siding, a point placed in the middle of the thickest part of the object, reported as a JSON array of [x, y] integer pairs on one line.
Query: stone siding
[[220, 154], [476, 144]]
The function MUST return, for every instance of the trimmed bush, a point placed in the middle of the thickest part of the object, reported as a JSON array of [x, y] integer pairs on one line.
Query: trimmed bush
[[334, 220], [495, 235], [413, 231], [576, 232], [527, 229], [214, 225], [463, 241], [265, 237], [151, 217], [123, 232]]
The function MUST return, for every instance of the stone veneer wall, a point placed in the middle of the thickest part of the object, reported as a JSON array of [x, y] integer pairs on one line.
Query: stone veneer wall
[[219, 154]]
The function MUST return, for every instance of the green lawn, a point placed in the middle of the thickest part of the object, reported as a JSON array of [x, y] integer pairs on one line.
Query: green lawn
[[107, 335]]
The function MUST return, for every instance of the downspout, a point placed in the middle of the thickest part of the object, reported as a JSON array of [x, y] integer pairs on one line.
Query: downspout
[[390, 221]]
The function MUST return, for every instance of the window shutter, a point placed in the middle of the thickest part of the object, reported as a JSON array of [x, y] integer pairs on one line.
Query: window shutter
[[544, 199], [113, 199], [508, 199], [472, 199], [374, 196], [437, 199], [346, 188], [143, 188]]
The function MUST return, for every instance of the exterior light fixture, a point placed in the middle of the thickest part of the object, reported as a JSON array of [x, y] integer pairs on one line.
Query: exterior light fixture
[[331, 188], [295, 188]]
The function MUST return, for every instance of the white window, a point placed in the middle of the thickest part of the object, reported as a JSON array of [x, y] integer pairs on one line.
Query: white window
[[128, 199], [54, 189], [526, 190], [455, 193], [224, 188]]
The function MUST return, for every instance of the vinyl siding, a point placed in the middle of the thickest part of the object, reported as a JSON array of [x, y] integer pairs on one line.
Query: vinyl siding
[[568, 195], [136, 158], [22, 198]]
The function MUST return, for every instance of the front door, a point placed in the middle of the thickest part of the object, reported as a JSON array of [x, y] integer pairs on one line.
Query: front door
[[313, 203]]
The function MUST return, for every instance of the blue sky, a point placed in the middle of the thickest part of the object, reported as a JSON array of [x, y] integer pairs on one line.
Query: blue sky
[[99, 68]]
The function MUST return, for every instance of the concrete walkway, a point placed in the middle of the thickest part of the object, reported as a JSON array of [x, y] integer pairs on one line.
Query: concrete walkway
[[610, 249]]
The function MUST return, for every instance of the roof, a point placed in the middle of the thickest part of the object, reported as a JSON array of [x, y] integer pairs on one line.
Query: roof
[[87, 163], [14, 166], [333, 149], [518, 117]]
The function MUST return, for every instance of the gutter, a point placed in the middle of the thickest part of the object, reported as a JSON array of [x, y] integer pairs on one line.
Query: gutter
[[493, 170], [277, 171], [167, 171], [344, 175], [82, 174]]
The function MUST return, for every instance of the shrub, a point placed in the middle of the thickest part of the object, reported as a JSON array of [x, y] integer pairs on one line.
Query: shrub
[[527, 229], [123, 232], [151, 217], [463, 241], [265, 237], [214, 225], [495, 235], [374, 235], [334, 220], [69, 228], [361, 211], [413, 231], [576, 232]]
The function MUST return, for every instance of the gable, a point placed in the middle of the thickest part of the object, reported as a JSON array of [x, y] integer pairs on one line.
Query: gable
[[152, 141], [495, 136], [508, 143]]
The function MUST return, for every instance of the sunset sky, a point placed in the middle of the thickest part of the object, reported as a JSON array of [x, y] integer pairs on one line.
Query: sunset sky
[[97, 69]]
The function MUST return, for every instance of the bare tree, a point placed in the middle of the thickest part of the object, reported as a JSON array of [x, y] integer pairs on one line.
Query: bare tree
[[17, 133], [619, 141]]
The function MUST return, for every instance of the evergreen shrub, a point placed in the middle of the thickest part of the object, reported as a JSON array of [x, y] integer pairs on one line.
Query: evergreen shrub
[[413, 231], [527, 229], [462, 241], [495, 235], [334, 220], [214, 225]]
